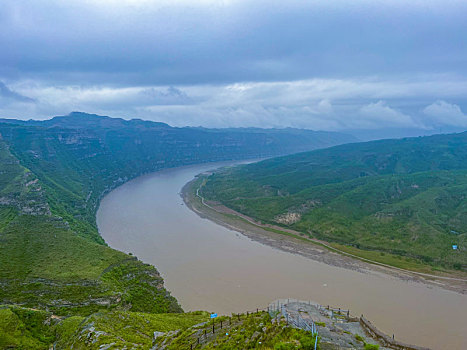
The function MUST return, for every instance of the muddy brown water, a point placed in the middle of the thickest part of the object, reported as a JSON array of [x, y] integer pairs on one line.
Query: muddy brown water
[[209, 267]]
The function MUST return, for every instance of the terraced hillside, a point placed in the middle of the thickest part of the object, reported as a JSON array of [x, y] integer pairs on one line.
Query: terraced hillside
[[404, 197]]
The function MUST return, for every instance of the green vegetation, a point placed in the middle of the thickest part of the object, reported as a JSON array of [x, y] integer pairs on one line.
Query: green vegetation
[[366, 346], [255, 331], [79, 157], [122, 329], [400, 202], [25, 329], [52, 176]]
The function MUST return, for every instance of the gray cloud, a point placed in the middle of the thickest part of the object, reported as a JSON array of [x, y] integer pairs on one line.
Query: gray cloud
[[379, 114], [444, 113], [328, 104], [312, 64], [6, 93], [200, 42]]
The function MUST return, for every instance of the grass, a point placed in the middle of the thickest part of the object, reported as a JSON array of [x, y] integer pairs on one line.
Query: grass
[[121, 328], [403, 198], [52, 177], [24, 329], [49, 257], [44, 264], [398, 261], [36, 247], [256, 331]]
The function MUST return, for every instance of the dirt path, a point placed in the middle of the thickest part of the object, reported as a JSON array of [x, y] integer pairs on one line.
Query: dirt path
[[294, 242]]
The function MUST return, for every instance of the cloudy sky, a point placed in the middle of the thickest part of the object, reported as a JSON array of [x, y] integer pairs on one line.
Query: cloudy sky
[[329, 65]]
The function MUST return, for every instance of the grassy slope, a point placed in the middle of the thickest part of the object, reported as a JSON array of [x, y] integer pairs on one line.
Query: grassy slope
[[22, 328], [253, 331], [130, 329], [52, 176], [403, 197], [44, 263], [80, 157]]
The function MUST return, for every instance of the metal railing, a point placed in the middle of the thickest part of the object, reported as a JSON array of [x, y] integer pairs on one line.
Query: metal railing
[[276, 310]]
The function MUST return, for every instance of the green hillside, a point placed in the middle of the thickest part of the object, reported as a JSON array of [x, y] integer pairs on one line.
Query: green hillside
[[80, 157], [45, 264], [405, 197], [53, 261], [52, 176]]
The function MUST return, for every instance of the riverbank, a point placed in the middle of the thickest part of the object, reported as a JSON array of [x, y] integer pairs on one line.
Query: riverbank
[[296, 243], [209, 267]]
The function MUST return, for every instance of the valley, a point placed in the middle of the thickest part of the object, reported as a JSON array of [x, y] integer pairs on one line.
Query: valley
[[220, 270], [65, 277]]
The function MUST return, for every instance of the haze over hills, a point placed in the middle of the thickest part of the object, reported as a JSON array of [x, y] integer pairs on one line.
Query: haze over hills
[[405, 197]]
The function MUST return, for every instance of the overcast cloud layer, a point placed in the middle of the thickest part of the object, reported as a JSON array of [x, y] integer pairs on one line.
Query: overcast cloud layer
[[329, 65]]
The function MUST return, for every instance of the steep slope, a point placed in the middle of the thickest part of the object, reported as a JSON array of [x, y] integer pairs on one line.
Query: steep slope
[[407, 197], [80, 157], [52, 176], [43, 263]]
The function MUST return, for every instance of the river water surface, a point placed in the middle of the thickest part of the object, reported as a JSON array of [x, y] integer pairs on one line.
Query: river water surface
[[209, 267]]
